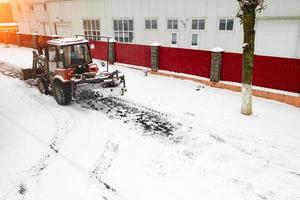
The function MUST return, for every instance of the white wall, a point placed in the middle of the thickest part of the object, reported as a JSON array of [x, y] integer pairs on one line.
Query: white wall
[[69, 15]]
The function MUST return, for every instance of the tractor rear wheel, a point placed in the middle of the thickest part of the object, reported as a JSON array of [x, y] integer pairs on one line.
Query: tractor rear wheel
[[43, 86], [62, 92]]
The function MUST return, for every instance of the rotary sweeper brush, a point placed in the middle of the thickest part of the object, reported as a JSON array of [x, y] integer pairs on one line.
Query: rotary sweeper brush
[[64, 68]]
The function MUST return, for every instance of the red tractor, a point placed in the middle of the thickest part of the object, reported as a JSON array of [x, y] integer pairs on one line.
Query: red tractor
[[64, 68]]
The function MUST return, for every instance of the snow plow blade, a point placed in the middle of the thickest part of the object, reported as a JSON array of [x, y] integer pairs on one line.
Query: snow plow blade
[[26, 74], [100, 86]]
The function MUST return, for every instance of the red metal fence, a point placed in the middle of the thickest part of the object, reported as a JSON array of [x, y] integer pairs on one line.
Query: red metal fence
[[12, 38], [270, 72], [188, 61], [100, 51], [232, 67], [26, 40], [277, 73], [133, 54]]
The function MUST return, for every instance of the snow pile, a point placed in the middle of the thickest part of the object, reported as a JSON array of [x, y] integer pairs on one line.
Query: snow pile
[[102, 151]]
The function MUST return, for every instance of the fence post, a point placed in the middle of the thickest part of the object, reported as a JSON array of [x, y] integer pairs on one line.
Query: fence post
[[19, 41], [155, 56], [111, 51], [216, 64]]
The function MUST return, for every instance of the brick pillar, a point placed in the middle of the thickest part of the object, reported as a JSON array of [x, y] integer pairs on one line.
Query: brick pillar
[[34, 40], [19, 39], [216, 64], [111, 51], [155, 56]]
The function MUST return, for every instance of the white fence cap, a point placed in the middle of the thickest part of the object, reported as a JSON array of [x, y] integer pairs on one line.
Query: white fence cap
[[155, 44], [217, 49], [112, 40]]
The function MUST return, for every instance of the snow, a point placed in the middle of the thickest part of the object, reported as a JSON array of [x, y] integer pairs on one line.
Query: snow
[[217, 49], [155, 44], [216, 153], [18, 56], [245, 45], [8, 24]]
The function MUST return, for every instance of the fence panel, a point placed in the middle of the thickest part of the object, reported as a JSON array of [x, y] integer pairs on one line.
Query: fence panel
[[277, 73], [1, 37], [26, 40], [100, 51], [133, 54], [12, 38], [188, 61], [232, 67]]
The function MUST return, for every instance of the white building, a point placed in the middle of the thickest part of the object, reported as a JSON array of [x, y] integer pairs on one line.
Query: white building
[[200, 24]]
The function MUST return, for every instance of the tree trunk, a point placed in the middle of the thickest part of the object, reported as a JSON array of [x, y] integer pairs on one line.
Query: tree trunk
[[249, 16]]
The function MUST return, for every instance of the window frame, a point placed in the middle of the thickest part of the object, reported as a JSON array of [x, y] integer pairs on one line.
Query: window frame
[[90, 26], [198, 24], [120, 32], [194, 45], [151, 24], [172, 24], [171, 39], [226, 24]]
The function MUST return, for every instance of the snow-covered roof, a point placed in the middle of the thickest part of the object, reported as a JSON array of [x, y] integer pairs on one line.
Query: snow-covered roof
[[67, 41]]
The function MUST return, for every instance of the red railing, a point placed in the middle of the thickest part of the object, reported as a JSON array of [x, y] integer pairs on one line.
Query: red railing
[[188, 61], [133, 54], [100, 50]]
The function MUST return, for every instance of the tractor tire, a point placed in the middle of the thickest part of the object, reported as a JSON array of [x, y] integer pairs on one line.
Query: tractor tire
[[43, 86], [62, 92]]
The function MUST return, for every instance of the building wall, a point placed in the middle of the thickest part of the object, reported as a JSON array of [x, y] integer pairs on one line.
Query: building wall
[[278, 24]]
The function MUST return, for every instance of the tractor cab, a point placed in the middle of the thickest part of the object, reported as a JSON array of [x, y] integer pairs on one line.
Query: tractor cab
[[64, 68], [68, 53]]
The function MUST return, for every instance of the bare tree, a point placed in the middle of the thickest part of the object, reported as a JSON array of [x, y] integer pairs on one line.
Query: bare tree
[[247, 15]]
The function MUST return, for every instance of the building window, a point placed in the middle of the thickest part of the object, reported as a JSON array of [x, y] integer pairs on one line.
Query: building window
[[194, 39], [91, 28], [123, 30], [198, 24], [172, 24], [226, 24], [174, 39], [151, 24]]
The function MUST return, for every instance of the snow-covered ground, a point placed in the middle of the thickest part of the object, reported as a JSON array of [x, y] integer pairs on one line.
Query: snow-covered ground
[[76, 152]]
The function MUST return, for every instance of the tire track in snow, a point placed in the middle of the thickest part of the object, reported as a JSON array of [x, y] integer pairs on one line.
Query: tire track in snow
[[63, 124], [150, 120]]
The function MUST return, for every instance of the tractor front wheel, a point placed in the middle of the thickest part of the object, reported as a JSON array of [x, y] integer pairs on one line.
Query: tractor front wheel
[[43, 86], [62, 92]]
